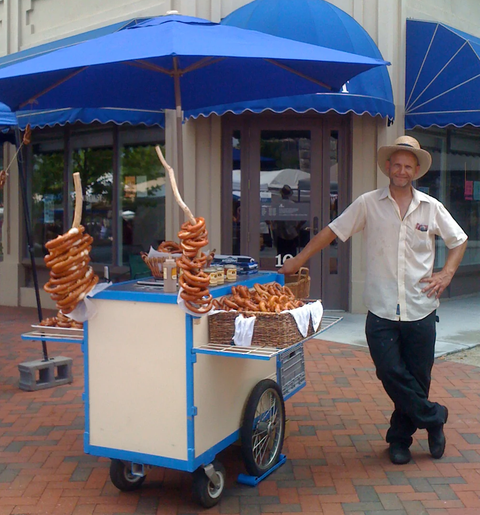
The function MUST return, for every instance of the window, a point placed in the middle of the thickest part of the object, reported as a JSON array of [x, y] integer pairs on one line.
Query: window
[[95, 166], [1, 205], [47, 196], [123, 198], [142, 200], [454, 179]]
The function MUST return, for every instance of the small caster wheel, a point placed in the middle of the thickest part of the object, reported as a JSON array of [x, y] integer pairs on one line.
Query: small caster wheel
[[208, 484], [122, 477]]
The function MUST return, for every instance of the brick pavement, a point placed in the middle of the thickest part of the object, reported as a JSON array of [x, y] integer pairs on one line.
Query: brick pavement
[[337, 461]]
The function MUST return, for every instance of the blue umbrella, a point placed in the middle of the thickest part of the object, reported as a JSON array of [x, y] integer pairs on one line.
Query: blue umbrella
[[177, 62]]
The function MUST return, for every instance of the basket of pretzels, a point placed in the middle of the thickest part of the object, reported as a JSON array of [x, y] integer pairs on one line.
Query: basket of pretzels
[[155, 258], [270, 303]]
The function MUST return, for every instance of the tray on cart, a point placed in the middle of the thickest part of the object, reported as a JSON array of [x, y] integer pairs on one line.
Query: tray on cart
[[261, 353], [54, 334]]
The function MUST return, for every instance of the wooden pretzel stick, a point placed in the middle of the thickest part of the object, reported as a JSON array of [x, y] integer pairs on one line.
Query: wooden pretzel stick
[[78, 200], [173, 182]]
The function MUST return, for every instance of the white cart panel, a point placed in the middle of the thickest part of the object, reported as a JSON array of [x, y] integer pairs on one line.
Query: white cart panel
[[222, 388], [137, 378]]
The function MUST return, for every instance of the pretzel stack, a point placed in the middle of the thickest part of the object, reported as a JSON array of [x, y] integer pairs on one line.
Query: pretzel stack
[[194, 281], [71, 277], [267, 298]]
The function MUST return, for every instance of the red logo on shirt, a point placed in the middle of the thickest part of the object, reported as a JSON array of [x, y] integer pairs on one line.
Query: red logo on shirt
[[422, 227]]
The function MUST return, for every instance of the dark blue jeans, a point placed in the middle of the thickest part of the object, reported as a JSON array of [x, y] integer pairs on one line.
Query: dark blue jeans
[[403, 353]]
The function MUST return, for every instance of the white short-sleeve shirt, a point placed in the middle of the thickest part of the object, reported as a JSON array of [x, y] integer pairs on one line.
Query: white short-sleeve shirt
[[399, 252]]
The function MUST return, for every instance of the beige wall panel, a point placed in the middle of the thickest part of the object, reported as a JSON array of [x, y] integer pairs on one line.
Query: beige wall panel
[[222, 387], [460, 14], [137, 378], [47, 20]]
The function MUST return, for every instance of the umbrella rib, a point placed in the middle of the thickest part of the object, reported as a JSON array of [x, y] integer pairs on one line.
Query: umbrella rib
[[291, 70], [207, 61], [149, 66], [53, 86]]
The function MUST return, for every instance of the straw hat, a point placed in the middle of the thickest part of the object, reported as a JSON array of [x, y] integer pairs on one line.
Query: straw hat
[[410, 145]]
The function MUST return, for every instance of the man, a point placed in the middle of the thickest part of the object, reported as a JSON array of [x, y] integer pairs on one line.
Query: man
[[399, 225], [287, 231]]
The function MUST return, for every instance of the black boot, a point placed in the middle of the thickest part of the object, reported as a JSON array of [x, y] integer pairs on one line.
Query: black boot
[[436, 439], [399, 453]]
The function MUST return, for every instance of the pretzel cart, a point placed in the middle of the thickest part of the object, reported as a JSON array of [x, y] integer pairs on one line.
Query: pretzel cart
[[167, 388], [157, 393]]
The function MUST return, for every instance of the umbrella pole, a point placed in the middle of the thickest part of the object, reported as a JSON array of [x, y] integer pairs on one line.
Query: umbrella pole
[[179, 130], [28, 230]]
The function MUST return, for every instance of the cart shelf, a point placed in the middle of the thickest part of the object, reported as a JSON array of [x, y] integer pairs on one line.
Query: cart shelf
[[260, 353], [54, 334]]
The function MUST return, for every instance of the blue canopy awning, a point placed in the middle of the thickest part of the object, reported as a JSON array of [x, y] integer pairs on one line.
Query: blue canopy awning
[[320, 23], [442, 84], [50, 118]]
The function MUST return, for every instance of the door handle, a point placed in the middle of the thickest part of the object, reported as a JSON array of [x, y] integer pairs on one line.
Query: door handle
[[315, 225]]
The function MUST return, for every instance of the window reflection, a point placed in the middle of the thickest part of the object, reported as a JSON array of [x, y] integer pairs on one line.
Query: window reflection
[[454, 179], [142, 200], [47, 197], [334, 197], [236, 192], [284, 195], [95, 166], [1, 205]]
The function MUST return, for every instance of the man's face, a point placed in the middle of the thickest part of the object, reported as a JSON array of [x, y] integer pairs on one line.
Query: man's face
[[402, 168]]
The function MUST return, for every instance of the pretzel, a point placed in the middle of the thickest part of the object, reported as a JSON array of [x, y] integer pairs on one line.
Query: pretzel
[[194, 281], [266, 298], [169, 246], [3, 178], [71, 277]]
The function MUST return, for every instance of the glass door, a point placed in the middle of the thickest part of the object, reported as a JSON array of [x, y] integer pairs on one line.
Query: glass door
[[284, 183], [284, 179]]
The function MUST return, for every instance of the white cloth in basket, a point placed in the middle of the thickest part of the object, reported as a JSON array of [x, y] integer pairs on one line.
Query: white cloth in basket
[[316, 312], [243, 331], [302, 319]]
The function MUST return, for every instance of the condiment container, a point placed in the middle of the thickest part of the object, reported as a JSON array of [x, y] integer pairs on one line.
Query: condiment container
[[170, 275], [212, 274], [230, 273], [220, 275]]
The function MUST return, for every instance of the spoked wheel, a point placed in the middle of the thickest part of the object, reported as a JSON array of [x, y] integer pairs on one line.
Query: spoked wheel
[[263, 428], [208, 484], [122, 477]]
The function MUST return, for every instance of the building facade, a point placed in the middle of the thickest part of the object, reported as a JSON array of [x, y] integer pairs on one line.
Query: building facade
[[236, 164]]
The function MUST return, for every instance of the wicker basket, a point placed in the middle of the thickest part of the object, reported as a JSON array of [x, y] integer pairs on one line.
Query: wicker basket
[[299, 283], [155, 264], [271, 329]]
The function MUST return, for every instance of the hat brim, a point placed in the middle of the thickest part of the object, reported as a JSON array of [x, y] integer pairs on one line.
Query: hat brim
[[424, 158]]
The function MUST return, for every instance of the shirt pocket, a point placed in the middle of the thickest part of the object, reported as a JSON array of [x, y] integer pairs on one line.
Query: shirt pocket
[[420, 241]]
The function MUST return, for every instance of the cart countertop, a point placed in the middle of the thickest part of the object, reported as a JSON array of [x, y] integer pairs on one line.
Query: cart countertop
[[133, 291]]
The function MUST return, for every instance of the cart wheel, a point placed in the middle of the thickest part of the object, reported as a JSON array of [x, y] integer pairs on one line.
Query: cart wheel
[[263, 428], [207, 490], [122, 477]]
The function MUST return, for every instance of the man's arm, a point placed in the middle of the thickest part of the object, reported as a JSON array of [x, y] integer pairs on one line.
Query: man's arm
[[440, 280], [316, 244]]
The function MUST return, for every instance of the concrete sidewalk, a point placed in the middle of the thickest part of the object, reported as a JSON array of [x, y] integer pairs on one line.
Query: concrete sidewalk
[[337, 462], [458, 329]]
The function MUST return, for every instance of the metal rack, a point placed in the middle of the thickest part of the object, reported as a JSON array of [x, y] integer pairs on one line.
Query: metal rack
[[260, 353]]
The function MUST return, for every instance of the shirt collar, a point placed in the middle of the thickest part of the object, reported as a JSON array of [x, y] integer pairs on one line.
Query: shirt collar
[[417, 197]]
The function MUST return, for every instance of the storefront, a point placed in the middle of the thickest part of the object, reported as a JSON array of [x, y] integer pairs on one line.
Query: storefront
[[323, 147], [442, 99]]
